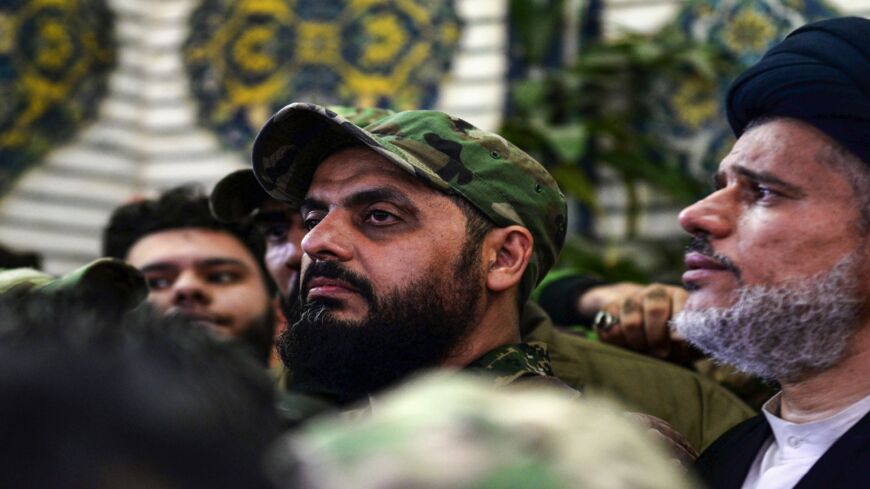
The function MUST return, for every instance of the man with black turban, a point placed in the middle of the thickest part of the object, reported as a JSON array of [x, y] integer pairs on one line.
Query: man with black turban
[[779, 265]]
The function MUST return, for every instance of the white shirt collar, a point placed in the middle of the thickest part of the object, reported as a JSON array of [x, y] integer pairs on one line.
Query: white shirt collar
[[814, 438]]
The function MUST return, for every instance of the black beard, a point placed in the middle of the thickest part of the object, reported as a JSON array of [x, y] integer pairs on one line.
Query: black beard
[[289, 304], [410, 329], [259, 335]]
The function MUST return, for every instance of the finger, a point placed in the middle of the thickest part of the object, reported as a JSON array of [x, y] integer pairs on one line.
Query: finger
[[656, 312], [631, 321], [596, 298]]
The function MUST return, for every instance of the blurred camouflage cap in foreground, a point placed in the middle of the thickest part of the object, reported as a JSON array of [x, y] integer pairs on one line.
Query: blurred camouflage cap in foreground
[[104, 282], [443, 432], [239, 194], [445, 152]]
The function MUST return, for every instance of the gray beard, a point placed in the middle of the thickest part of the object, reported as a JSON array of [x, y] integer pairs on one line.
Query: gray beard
[[782, 332]]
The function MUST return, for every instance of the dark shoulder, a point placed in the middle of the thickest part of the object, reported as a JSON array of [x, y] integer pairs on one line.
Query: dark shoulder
[[726, 462], [735, 437]]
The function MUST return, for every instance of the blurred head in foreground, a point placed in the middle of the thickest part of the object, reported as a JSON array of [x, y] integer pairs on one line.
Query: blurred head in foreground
[[105, 285], [90, 401], [459, 432]]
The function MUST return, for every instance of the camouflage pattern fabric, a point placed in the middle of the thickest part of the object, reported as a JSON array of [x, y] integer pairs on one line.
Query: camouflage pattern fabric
[[238, 194], [445, 152], [106, 282], [462, 432], [510, 363]]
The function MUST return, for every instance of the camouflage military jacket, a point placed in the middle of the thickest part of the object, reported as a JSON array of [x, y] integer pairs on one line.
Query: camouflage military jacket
[[522, 364], [510, 363]]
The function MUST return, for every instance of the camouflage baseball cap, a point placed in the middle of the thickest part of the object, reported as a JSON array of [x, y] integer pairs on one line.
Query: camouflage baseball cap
[[105, 281], [238, 194], [503, 182]]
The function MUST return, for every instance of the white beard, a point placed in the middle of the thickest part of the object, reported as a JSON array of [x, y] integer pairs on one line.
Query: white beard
[[784, 331]]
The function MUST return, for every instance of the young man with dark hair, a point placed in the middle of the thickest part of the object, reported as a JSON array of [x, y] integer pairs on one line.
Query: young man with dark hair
[[196, 266]]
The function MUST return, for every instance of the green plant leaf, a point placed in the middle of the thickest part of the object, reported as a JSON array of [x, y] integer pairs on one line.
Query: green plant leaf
[[568, 141], [529, 94], [574, 182]]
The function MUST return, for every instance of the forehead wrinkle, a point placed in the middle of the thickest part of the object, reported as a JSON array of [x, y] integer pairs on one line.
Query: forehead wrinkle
[[391, 183], [353, 163], [377, 194], [365, 196]]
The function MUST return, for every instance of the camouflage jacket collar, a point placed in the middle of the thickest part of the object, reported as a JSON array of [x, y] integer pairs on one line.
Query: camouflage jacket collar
[[510, 363]]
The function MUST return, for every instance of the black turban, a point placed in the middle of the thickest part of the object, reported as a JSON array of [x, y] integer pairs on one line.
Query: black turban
[[820, 74]]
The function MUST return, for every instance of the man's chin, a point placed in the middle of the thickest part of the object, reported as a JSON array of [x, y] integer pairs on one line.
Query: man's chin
[[338, 310], [219, 331], [702, 299], [208, 322]]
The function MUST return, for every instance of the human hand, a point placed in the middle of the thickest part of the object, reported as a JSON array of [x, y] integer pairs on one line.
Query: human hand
[[642, 314]]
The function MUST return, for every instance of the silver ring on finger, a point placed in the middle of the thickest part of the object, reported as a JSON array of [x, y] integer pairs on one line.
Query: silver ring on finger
[[604, 321]]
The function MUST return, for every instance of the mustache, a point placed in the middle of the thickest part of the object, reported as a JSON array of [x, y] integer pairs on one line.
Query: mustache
[[702, 245], [333, 270]]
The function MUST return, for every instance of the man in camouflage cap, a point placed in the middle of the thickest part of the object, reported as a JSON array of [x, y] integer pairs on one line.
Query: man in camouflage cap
[[698, 409], [425, 236]]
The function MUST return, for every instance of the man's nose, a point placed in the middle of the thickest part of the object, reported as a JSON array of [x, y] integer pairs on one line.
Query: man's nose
[[189, 290], [711, 216], [330, 239]]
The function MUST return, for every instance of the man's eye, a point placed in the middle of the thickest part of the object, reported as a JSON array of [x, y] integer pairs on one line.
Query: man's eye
[[158, 283], [312, 218], [223, 277], [764, 193], [378, 216], [274, 233], [309, 223]]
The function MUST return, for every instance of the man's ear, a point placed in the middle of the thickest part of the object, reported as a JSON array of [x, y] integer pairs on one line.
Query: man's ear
[[508, 251]]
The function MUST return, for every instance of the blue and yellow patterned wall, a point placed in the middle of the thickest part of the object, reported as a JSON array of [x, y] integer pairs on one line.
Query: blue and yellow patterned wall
[[105, 100]]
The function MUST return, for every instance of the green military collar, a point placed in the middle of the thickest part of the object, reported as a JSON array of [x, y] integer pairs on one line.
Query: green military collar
[[510, 363]]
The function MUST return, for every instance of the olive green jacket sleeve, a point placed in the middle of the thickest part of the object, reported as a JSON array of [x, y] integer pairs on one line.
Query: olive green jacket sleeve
[[697, 407]]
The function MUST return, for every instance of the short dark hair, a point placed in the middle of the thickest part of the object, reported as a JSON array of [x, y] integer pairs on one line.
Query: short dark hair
[[178, 208], [477, 224], [95, 400]]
